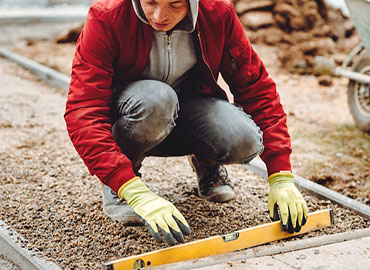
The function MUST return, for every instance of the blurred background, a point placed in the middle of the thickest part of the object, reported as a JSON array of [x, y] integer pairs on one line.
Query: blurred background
[[41, 3]]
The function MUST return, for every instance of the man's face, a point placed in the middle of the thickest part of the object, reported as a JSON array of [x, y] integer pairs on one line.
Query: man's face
[[163, 15]]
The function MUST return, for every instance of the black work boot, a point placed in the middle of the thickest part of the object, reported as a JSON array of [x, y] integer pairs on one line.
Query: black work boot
[[117, 209], [213, 182]]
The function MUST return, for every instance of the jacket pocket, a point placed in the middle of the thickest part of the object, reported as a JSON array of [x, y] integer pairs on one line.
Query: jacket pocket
[[228, 65], [233, 71]]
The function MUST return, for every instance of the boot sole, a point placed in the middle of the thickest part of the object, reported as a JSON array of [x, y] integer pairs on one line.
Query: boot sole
[[127, 217], [218, 197]]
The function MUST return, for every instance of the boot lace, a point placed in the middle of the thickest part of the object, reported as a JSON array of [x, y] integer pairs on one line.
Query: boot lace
[[217, 176]]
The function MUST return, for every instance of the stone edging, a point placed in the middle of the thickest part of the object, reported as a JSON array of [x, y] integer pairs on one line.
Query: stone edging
[[262, 251], [49, 75], [12, 250]]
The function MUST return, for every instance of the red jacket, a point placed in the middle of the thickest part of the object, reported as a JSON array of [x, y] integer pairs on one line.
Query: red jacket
[[114, 48]]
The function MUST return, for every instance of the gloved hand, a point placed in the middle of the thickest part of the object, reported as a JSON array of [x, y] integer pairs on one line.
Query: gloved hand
[[284, 196], [156, 213]]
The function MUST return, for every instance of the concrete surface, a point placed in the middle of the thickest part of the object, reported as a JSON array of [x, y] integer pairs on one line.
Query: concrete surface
[[269, 251], [5, 264], [354, 255]]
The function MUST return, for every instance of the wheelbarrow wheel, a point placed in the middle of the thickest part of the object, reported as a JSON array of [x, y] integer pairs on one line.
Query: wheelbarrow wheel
[[359, 96]]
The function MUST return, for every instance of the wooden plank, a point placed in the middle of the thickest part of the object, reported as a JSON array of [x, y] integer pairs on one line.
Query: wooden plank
[[259, 168], [215, 245]]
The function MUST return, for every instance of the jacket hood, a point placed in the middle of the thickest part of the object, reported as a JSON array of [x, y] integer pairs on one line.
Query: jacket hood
[[187, 24]]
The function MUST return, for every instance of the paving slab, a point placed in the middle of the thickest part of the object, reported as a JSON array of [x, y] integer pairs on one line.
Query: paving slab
[[353, 254], [244, 258]]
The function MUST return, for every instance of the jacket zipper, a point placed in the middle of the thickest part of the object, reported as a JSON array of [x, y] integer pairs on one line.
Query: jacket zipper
[[201, 51], [209, 68], [168, 37]]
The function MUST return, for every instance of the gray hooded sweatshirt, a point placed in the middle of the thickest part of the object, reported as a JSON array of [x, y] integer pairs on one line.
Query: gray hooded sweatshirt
[[172, 54]]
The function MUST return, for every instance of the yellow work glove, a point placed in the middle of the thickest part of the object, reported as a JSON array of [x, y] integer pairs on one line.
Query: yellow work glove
[[158, 214], [285, 198]]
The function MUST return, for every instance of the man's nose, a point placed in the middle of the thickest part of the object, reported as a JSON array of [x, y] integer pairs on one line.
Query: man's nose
[[160, 15]]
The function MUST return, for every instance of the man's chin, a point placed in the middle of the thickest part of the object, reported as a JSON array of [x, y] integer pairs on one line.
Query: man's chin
[[162, 28]]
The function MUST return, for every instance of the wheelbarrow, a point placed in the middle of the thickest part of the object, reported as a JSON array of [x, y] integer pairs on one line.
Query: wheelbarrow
[[356, 66]]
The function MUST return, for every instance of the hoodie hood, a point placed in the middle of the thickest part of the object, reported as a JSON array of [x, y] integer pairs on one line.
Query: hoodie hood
[[187, 24]]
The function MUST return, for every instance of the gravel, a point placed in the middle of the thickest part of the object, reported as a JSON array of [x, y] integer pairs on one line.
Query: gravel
[[49, 197]]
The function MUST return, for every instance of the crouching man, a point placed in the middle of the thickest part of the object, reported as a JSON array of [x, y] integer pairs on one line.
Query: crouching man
[[144, 83]]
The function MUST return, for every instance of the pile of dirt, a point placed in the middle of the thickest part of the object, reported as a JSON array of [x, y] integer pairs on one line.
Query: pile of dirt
[[71, 35], [302, 30]]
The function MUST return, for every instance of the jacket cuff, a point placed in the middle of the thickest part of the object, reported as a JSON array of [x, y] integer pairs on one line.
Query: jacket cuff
[[119, 178], [277, 163]]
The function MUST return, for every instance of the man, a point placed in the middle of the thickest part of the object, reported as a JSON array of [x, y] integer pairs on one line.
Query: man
[[144, 84]]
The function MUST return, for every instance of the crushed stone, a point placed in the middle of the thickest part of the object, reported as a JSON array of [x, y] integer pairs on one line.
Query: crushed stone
[[50, 199]]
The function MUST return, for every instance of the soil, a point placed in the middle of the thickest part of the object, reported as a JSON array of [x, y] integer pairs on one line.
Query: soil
[[329, 150], [49, 197], [52, 201]]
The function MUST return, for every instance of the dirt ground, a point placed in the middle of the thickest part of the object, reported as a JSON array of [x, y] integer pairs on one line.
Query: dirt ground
[[49, 197], [327, 147]]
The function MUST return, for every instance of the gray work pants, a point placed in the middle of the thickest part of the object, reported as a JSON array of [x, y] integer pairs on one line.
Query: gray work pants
[[150, 119]]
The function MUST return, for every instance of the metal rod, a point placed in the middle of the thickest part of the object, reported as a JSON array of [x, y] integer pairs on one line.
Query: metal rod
[[356, 76], [355, 52]]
